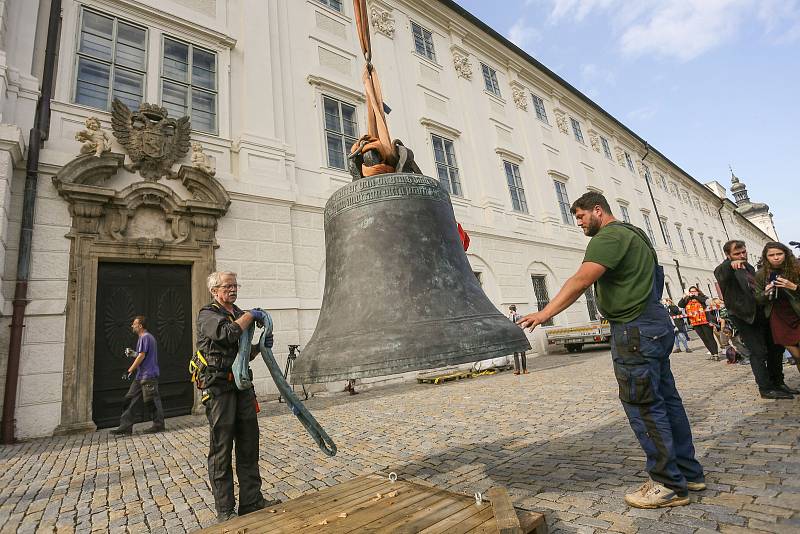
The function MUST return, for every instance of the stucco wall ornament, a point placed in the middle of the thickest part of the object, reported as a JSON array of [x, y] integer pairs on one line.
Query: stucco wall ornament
[[520, 98], [620, 156], [382, 21], [95, 140], [561, 121], [200, 160], [153, 140], [462, 65], [594, 140]]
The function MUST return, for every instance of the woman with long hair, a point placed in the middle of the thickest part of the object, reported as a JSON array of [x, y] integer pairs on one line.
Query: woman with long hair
[[695, 305], [777, 282]]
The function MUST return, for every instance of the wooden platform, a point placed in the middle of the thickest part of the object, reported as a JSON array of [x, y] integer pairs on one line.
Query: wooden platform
[[446, 375], [372, 503]]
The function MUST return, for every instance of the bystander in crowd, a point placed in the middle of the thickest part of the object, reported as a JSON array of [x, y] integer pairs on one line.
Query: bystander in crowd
[[777, 282], [694, 302]]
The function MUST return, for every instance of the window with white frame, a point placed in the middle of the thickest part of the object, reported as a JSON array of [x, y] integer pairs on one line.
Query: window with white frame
[[576, 130], [685, 197], [423, 41], [542, 296], [694, 243], [189, 83], [446, 166], [649, 228], [563, 202], [719, 247], [336, 5], [626, 217], [340, 130], [515, 188], [662, 182], [490, 79], [541, 112], [714, 250], [647, 175], [111, 61], [628, 161], [606, 147], [680, 237], [665, 229], [673, 187], [703, 243]]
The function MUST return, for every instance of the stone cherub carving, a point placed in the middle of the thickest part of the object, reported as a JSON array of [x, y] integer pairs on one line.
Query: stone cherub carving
[[200, 160], [94, 138]]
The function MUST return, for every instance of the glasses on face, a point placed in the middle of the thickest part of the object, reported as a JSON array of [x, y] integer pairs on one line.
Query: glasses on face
[[230, 287]]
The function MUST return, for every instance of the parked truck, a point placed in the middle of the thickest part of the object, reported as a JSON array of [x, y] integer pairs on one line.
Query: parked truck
[[573, 338]]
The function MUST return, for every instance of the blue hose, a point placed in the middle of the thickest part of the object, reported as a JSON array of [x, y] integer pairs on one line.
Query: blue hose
[[241, 374]]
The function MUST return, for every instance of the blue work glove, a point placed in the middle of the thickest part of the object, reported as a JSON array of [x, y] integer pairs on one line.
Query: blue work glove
[[258, 315], [269, 341]]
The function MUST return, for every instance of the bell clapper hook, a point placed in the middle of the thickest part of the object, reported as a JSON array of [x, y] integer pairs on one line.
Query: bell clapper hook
[[478, 498], [392, 477]]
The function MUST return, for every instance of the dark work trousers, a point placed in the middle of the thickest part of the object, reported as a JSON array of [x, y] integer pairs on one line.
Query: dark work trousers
[[232, 417], [651, 401], [766, 358], [142, 392], [520, 356], [706, 335]]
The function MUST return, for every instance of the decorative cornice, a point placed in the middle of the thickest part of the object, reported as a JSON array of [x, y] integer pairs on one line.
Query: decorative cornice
[[436, 125], [505, 153], [382, 20], [342, 90]]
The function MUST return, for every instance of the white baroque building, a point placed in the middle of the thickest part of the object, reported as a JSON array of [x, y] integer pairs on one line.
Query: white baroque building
[[273, 90]]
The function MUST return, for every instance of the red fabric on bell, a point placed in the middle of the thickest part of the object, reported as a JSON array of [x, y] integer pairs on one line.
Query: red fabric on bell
[[464, 237]]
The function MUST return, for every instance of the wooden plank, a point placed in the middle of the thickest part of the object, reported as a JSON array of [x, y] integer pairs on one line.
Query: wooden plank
[[379, 515], [303, 517], [504, 513], [430, 515], [487, 527], [472, 521], [451, 521], [532, 522]]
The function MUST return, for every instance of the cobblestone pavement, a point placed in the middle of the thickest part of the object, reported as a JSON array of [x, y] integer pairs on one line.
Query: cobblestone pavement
[[556, 438]]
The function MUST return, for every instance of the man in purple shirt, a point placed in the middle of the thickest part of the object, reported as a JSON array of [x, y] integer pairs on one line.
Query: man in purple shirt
[[144, 388]]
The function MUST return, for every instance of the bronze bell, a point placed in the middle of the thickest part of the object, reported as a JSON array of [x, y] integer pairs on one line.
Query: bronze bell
[[400, 294]]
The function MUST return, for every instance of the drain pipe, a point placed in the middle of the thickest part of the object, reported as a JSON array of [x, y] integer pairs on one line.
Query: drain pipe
[[39, 133], [721, 219]]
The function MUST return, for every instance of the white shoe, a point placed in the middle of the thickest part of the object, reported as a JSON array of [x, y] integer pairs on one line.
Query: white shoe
[[651, 494], [708, 352]]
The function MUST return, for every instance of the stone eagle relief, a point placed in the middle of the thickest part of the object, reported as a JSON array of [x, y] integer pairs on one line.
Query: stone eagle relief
[[153, 140]]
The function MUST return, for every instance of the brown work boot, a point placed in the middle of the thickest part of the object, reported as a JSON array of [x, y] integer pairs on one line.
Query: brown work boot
[[651, 494]]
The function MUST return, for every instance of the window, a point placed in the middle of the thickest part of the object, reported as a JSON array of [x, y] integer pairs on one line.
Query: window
[[490, 79], [189, 83], [541, 112], [680, 237], [649, 228], [662, 182], [563, 202], [625, 215], [703, 242], [576, 130], [333, 4], [340, 130], [515, 187], [423, 41], [665, 229], [606, 148], [112, 62], [591, 304], [674, 190], [446, 167], [719, 248], [711, 244], [685, 197], [647, 175], [694, 244], [540, 291], [629, 161]]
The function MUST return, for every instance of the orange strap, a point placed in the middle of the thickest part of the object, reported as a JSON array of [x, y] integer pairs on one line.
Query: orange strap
[[378, 132]]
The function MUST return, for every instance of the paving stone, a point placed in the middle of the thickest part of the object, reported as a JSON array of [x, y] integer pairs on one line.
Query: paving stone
[[558, 439]]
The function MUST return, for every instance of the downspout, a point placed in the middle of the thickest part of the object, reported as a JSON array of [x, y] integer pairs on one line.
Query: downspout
[[721, 219], [39, 133]]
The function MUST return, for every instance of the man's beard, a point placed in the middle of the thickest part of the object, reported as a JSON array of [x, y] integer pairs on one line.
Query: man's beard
[[593, 227]]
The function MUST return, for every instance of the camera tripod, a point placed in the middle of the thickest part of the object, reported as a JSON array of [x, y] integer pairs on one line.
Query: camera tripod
[[294, 350]]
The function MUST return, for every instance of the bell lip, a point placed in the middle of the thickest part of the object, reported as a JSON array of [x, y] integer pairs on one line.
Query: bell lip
[[336, 374]]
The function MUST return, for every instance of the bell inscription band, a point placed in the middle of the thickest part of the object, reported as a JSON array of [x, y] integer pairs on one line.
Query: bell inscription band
[[400, 294]]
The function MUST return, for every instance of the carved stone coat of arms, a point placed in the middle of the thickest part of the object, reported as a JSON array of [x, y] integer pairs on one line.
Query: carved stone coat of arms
[[153, 140]]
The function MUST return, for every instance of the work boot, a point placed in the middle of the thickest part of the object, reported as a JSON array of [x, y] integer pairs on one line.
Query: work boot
[[688, 350], [651, 494], [695, 486], [260, 505], [676, 351], [773, 394], [787, 389], [153, 430], [524, 371], [119, 431], [225, 516]]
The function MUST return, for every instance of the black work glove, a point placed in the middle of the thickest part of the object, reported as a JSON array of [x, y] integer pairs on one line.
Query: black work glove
[[269, 341], [126, 376]]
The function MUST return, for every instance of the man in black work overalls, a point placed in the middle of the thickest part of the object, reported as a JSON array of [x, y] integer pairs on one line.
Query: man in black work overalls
[[232, 413]]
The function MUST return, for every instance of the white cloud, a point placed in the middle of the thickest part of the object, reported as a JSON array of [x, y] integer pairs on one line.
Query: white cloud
[[643, 113], [682, 29], [523, 35]]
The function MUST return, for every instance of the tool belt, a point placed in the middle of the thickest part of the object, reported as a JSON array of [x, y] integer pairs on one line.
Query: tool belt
[[208, 371]]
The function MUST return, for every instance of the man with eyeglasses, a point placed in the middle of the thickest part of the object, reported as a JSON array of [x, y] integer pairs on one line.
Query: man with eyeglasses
[[231, 413]]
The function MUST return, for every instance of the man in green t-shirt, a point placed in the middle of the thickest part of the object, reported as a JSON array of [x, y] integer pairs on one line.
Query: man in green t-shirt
[[621, 262]]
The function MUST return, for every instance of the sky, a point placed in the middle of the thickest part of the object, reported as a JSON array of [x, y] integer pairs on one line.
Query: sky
[[708, 83]]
